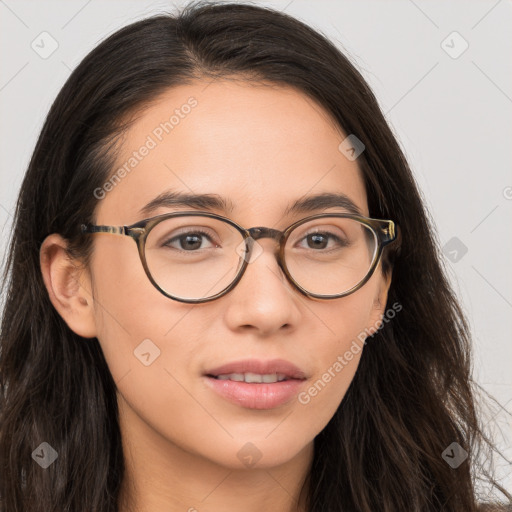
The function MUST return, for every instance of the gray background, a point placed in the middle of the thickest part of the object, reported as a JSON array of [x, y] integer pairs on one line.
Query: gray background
[[450, 109]]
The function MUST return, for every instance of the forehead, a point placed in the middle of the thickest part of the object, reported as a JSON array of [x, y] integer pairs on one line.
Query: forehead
[[261, 146]]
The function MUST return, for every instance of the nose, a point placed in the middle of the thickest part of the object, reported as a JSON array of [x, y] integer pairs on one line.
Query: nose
[[263, 300]]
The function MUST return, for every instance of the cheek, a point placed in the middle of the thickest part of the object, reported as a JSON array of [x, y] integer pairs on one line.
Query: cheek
[[148, 342], [135, 322], [337, 356]]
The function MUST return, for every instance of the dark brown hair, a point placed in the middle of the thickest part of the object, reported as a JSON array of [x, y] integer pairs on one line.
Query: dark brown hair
[[412, 395]]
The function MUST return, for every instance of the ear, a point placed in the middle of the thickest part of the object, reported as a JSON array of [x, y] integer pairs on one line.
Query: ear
[[379, 301], [68, 286]]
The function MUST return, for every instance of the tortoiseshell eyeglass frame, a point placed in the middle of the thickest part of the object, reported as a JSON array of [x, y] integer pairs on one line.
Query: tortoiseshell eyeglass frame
[[385, 231]]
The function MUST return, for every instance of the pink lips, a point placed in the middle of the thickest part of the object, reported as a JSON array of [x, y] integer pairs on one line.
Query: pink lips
[[257, 395]]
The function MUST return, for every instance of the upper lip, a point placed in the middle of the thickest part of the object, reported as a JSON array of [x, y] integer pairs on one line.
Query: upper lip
[[260, 367]]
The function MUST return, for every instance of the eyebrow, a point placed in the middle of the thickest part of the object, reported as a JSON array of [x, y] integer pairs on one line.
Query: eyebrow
[[211, 202]]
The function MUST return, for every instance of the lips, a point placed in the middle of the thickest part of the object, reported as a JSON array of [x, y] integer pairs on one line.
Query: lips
[[261, 367]]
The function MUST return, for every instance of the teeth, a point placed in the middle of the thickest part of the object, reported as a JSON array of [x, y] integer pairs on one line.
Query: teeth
[[232, 376], [253, 377]]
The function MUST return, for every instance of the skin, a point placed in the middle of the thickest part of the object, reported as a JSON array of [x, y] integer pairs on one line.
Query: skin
[[180, 438]]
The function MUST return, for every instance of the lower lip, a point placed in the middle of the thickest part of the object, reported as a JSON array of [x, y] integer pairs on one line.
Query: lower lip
[[256, 395]]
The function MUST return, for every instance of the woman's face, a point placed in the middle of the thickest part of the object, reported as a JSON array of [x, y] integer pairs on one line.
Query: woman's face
[[262, 148]]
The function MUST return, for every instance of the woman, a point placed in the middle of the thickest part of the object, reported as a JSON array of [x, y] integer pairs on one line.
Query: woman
[[320, 364]]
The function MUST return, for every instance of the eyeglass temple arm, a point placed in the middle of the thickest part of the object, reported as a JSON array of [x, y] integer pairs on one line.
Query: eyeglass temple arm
[[388, 231], [134, 232], [391, 234], [117, 230]]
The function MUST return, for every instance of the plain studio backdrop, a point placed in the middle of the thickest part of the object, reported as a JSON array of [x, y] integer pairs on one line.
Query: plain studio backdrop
[[442, 73]]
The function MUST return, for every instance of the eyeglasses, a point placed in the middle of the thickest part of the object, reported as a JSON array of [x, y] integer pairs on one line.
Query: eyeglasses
[[197, 257]]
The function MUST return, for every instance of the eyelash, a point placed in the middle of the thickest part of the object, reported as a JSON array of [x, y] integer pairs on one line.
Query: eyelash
[[194, 232], [342, 243]]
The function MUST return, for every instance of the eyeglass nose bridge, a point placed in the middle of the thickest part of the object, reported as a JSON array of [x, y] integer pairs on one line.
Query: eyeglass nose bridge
[[263, 232]]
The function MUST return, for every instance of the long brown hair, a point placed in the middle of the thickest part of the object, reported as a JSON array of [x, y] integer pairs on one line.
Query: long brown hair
[[412, 395]]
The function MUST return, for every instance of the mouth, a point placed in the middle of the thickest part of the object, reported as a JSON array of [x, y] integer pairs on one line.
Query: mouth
[[252, 378], [257, 371], [256, 384]]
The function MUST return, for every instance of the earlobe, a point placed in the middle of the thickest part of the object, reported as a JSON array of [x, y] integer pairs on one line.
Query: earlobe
[[67, 286]]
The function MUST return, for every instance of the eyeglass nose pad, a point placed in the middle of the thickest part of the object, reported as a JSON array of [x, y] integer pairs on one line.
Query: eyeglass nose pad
[[249, 250], [255, 249]]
